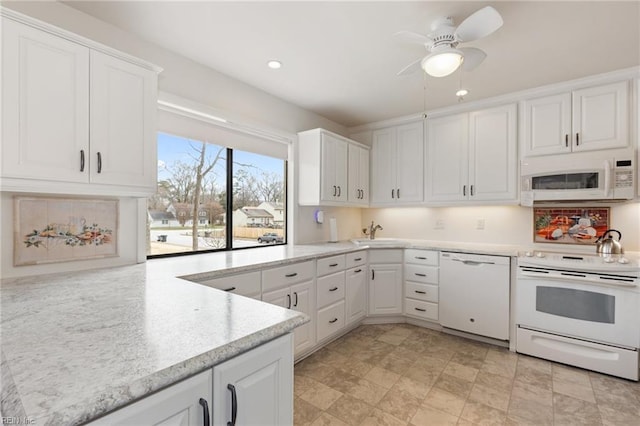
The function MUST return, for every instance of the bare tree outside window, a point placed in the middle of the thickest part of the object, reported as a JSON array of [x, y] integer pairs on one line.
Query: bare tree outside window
[[188, 212]]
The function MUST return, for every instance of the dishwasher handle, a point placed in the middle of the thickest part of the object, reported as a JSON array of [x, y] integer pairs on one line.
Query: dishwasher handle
[[472, 262]]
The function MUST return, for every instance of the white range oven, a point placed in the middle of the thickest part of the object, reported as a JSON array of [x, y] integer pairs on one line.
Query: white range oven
[[580, 310]]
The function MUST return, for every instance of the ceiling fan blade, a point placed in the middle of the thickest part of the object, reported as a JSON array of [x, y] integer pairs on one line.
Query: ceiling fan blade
[[480, 24], [411, 37], [411, 68], [472, 58]]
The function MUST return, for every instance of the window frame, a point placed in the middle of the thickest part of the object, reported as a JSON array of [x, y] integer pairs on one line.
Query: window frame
[[229, 213]]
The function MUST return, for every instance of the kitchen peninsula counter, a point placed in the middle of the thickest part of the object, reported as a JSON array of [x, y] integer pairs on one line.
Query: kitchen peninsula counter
[[80, 344]]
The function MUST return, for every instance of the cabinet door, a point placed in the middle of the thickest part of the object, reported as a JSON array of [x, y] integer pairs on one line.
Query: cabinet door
[[410, 162], [383, 166], [601, 117], [303, 300], [447, 158], [493, 154], [329, 151], [341, 166], [385, 289], [356, 294], [261, 384], [45, 105], [358, 175], [547, 125], [177, 405], [123, 135]]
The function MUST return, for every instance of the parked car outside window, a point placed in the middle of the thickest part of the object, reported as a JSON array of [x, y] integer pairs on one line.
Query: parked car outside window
[[270, 237]]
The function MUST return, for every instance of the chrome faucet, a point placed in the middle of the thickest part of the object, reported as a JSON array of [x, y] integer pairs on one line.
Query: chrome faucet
[[371, 231]]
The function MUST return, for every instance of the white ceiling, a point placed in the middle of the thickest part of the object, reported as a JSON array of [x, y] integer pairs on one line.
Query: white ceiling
[[340, 58]]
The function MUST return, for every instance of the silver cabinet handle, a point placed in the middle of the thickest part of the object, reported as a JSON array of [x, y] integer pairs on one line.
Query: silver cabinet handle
[[464, 190], [333, 265], [339, 191], [420, 257], [234, 405], [288, 301], [291, 275], [229, 289], [333, 289], [295, 304], [421, 275], [577, 139], [471, 190], [333, 320], [205, 411], [82, 160], [420, 309], [420, 292], [392, 192], [357, 271], [566, 140], [398, 193]]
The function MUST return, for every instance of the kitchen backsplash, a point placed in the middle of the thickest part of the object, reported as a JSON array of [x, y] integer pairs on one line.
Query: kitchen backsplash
[[490, 224]]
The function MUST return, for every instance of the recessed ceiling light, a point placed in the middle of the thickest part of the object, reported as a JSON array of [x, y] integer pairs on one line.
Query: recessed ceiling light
[[462, 92], [274, 65]]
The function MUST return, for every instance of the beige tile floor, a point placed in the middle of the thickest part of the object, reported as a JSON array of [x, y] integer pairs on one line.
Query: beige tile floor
[[399, 374]]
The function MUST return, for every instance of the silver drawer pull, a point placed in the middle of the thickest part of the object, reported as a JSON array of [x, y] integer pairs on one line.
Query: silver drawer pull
[[333, 265], [357, 259], [333, 320], [357, 270], [420, 292], [420, 309], [333, 289], [229, 289], [421, 275], [421, 258], [291, 275]]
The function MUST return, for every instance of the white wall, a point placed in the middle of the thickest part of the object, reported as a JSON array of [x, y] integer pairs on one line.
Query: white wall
[[512, 225]]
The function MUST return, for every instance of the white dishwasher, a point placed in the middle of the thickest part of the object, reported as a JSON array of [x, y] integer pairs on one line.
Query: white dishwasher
[[474, 293]]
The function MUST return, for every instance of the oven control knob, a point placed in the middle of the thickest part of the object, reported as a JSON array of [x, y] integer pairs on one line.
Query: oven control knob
[[540, 254], [623, 260]]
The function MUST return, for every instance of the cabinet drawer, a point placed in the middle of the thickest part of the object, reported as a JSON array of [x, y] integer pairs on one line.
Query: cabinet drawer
[[244, 284], [426, 292], [332, 264], [421, 257], [330, 289], [421, 274], [287, 275], [330, 320], [421, 309], [385, 256], [356, 259]]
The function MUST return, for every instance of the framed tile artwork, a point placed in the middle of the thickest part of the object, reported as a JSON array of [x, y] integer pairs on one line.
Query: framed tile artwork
[[569, 225], [50, 230]]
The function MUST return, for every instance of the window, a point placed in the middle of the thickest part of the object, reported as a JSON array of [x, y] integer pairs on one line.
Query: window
[[194, 180]]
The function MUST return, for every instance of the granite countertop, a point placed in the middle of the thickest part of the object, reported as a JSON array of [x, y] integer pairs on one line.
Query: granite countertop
[[77, 345]]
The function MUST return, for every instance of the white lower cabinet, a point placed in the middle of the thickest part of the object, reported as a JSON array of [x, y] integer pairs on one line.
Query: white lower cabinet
[[421, 290], [330, 320], [299, 297], [185, 403], [356, 294], [255, 388], [385, 282]]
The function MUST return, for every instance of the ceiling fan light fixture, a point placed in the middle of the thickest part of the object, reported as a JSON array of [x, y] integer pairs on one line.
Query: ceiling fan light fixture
[[442, 63]]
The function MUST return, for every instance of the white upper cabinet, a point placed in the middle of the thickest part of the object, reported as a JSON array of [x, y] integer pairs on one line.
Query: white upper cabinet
[[123, 103], [472, 156], [397, 164], [45, 100], [358, 175], [75, 119], [583, 120], [324, 170]]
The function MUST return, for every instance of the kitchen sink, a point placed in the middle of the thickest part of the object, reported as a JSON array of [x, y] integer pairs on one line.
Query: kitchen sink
[[379, 242]]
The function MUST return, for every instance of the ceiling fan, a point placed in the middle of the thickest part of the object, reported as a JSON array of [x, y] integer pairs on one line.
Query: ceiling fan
[[444, 56]]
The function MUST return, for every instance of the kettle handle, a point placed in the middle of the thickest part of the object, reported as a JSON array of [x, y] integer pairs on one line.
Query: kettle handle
[[612, 230]]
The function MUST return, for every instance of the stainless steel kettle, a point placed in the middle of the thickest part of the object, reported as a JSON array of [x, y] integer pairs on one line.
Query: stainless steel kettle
[[606, 245]]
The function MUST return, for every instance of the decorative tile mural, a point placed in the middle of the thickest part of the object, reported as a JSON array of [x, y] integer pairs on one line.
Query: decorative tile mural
[[60, 230], [569, 225]]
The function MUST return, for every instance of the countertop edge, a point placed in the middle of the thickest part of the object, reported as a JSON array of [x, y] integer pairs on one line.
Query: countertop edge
[[162, 379]]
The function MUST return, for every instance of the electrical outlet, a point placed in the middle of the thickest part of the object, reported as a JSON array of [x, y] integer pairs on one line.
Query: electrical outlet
[[439, 224], [480, 224]]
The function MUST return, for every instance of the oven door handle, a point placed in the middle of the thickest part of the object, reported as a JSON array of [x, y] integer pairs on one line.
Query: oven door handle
[[580, 278]]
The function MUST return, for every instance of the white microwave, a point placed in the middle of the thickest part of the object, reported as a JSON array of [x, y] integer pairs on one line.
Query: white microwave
[[602, 175]]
